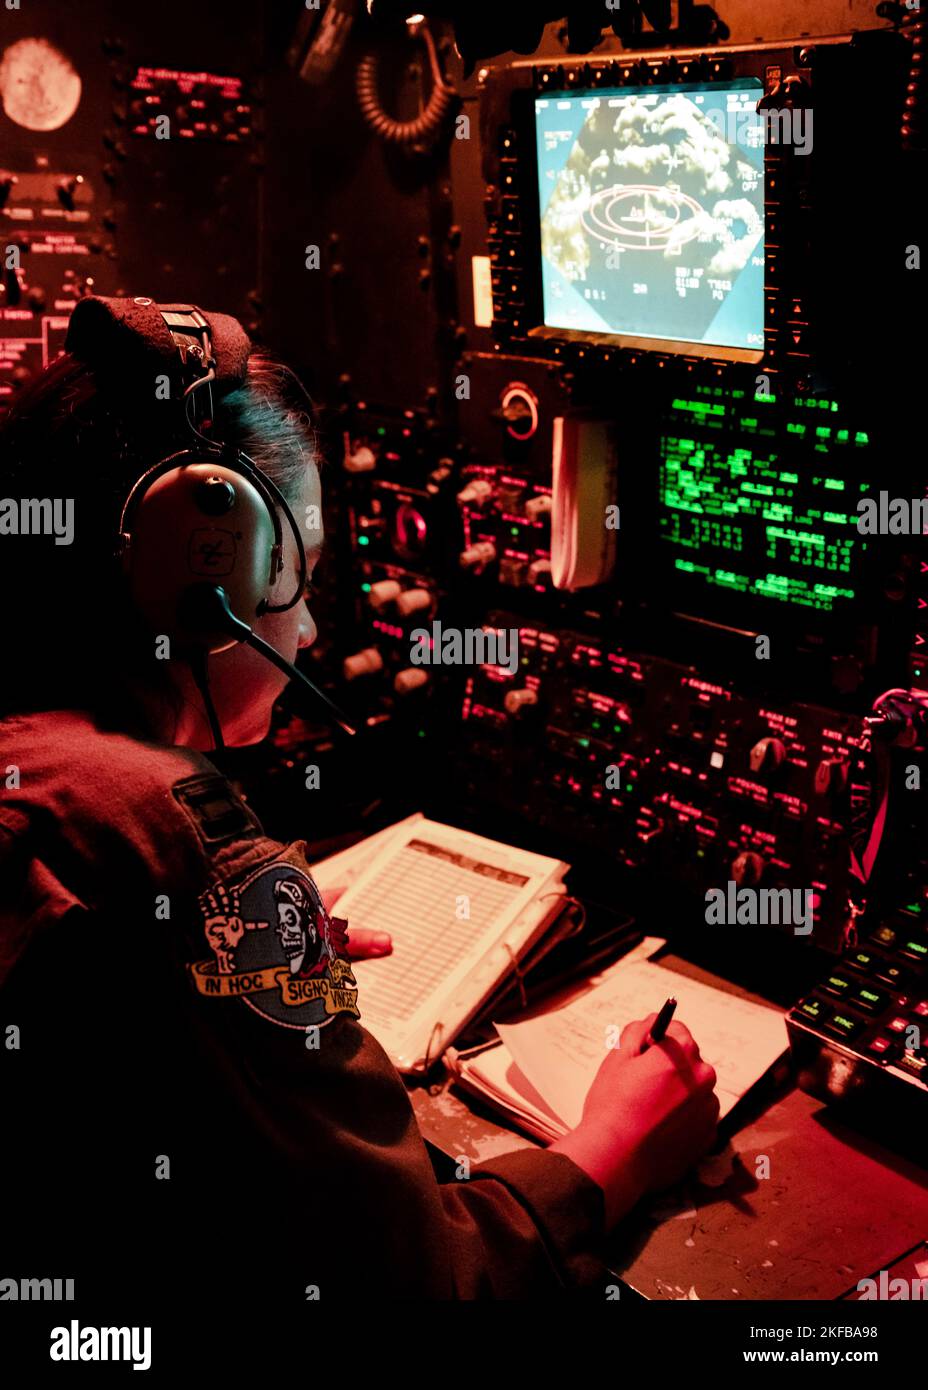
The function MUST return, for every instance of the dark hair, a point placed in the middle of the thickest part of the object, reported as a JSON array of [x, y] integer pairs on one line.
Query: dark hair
[[71, 437]]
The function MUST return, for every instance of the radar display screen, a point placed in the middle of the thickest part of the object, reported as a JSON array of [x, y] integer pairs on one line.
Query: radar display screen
[[758, 499], [651, 205]]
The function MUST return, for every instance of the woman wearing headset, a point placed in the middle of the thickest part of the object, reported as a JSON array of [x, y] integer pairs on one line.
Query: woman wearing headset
[[188, 1091]]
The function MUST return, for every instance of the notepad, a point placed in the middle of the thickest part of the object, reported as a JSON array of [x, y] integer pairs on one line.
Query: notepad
[[461, 909], [543, 1069]]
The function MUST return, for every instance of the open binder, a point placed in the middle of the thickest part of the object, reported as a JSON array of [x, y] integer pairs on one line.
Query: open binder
[[464, 911]]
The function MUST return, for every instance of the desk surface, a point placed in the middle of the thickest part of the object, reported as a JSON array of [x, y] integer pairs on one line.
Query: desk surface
[[836, 1207]]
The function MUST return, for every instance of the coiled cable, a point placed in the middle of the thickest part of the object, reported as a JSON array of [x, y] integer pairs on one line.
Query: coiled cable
[[416, 136]]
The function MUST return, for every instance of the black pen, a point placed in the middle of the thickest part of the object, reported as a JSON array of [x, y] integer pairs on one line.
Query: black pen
[[660, 1025]]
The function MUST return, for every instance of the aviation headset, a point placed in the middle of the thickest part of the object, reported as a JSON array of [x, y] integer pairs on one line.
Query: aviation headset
[[200, 537]]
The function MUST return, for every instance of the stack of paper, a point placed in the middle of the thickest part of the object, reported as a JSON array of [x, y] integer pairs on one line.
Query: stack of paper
[[541, 1072]]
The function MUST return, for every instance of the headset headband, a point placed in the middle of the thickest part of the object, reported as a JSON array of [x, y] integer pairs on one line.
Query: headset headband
[[123, 338]]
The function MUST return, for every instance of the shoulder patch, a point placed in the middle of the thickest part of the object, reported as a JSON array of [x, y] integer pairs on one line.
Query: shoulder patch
[[275, 946]]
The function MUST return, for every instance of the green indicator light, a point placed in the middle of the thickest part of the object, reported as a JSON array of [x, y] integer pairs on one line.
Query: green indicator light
[[366, 588], [422, 733], [583, 742], [597, 724], [363, 540], [861, 438], [822, 432], [513, 530], [381, 430], [835, 484], [617, 728], [789, 477]]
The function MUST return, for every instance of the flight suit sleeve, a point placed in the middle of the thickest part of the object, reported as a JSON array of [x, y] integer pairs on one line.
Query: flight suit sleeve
[[337, 1121], [33, 896], [307, 1097]]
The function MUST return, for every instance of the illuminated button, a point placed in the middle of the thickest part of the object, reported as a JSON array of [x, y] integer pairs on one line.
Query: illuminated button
[[921, 1008], [915, 1064], [880, 1045], [836, 984], [860, 960], [915, 950], [890, 974], [897, 1024], [870, 1000], [767, 754], [362, 460], [885, 934], [842, 1026], [812, 1009]]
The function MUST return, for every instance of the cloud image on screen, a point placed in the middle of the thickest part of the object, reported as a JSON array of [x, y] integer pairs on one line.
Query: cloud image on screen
[[652, 213]]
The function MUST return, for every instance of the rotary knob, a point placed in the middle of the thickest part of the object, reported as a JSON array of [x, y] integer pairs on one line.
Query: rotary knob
[[385, 591], [518, 700], [767, 755], [476, 493], [364, 663], [409, 679], [747, 869], [476, 557], [413, 601], [831, 776]]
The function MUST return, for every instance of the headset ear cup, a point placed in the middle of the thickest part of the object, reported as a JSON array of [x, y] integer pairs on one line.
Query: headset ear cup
[[201, 522]]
